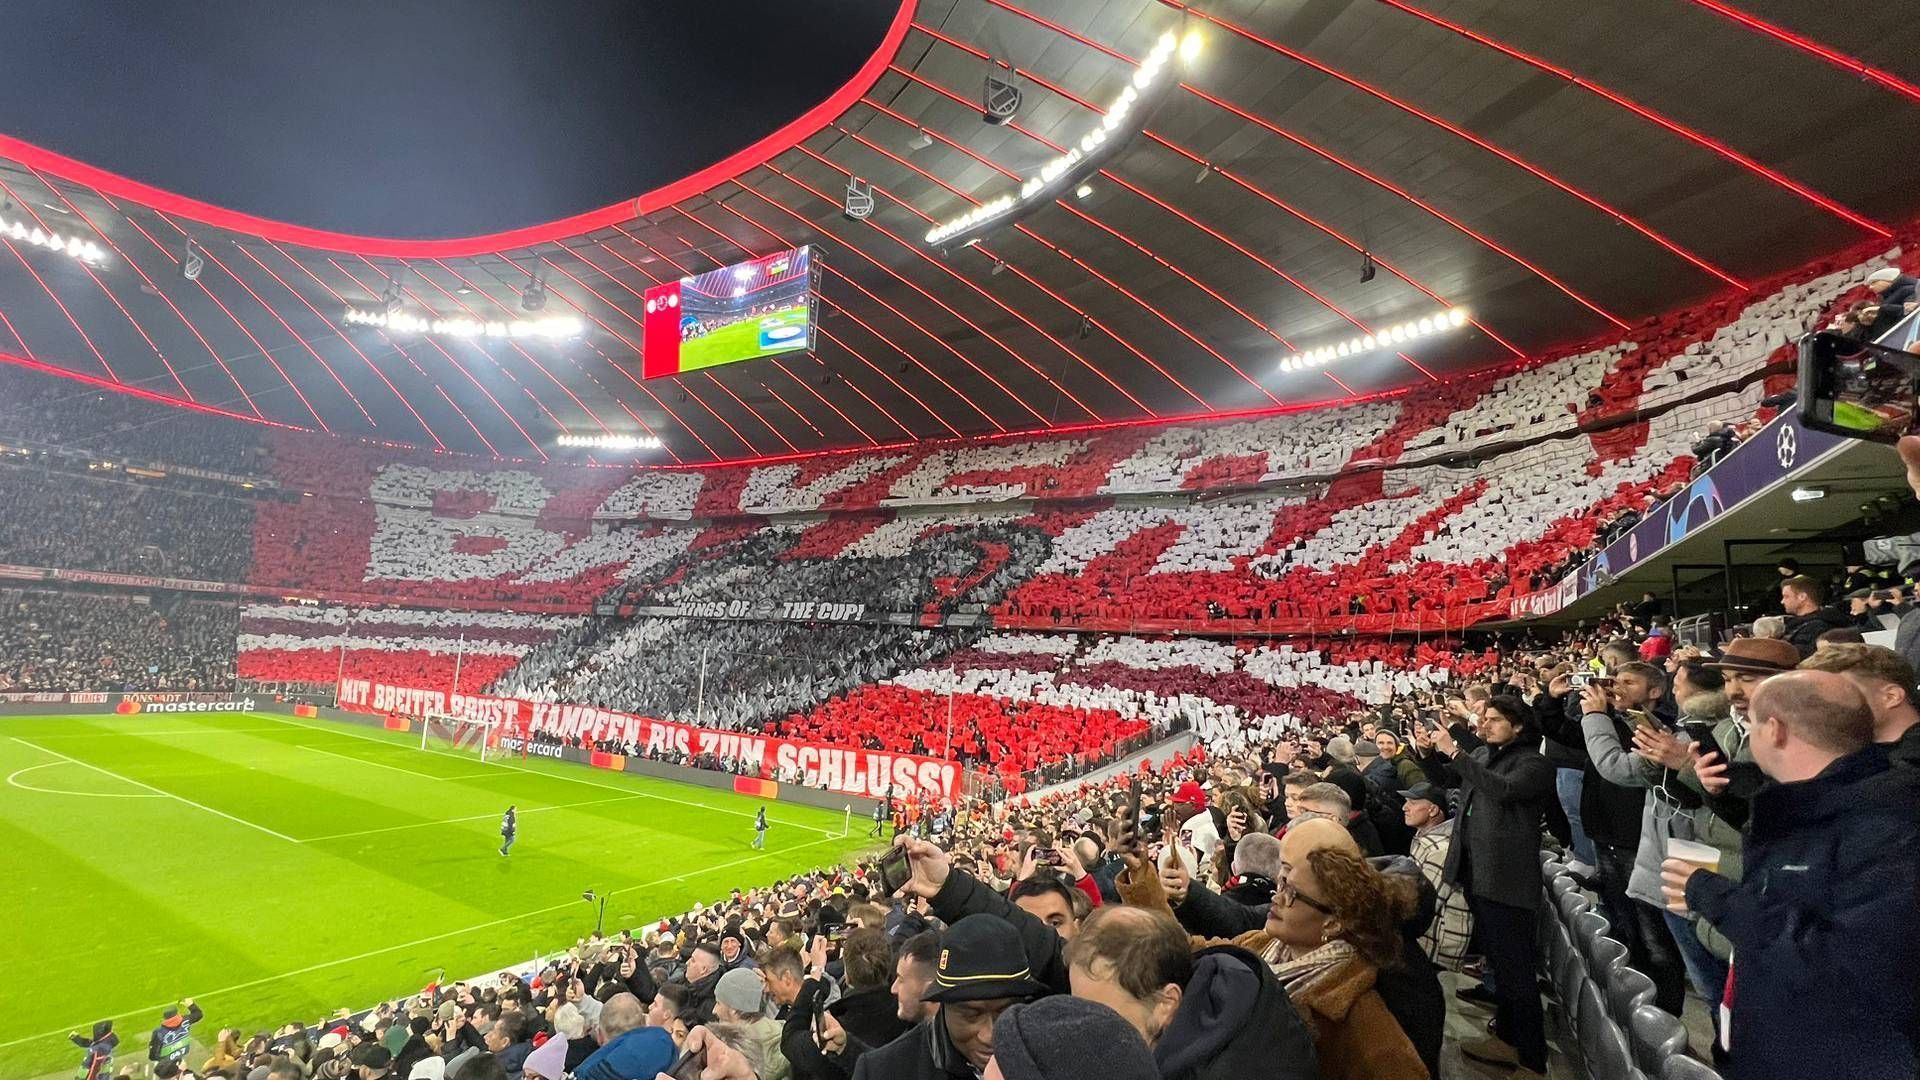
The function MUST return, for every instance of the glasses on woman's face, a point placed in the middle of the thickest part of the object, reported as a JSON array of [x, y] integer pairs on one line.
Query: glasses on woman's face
[[1287, 894]]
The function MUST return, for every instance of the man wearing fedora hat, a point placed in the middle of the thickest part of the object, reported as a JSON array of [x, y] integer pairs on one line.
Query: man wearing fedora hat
[[983, 971]]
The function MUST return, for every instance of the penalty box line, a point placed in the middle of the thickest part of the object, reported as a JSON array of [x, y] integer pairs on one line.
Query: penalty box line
[[371, 953], [559, 776]]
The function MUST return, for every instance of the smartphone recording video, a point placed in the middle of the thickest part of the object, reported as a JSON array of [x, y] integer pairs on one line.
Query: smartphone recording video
[[895, 870], [1856, 390]]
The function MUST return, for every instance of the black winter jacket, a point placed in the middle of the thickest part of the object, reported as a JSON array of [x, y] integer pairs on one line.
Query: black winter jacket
[[1495, 853], [1825, 924], [1235, 1021]]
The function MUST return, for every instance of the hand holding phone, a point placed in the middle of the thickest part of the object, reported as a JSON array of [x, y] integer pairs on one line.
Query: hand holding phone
[[895, 870], [1857, 390]]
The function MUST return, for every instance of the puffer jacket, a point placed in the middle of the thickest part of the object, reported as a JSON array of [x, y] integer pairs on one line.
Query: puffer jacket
[[1662, 819]]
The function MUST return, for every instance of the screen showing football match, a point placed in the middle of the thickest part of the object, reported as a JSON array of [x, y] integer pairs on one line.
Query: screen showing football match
[[741, 312]]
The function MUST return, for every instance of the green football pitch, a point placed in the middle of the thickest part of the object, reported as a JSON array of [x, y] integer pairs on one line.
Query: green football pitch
[[741, 340], [275, 868]]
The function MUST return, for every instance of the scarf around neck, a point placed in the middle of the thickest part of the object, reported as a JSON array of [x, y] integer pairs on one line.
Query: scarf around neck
[[1302, 973]]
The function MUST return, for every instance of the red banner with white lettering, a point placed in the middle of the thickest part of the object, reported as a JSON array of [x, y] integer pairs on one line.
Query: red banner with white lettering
[[873, 774]]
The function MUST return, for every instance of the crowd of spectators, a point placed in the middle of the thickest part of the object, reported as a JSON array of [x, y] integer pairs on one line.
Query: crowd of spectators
[[438, 649], [51, 412], [81, 642], [1283, 900], [61, 518], [1286, 905]]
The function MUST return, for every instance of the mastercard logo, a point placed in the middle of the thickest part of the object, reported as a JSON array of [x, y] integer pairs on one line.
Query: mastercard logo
[[127, 708]]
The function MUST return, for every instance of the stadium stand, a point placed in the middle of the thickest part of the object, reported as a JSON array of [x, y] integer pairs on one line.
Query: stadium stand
[[57, 517], [68, 641], [300, 643], [1338, 526]]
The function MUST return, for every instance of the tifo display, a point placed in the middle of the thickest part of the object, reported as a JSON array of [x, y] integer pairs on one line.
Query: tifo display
[[1130, 541]]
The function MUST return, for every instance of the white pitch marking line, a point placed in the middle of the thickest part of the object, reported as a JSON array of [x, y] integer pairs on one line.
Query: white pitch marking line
[[157, 791], [457, 820], [490, 924], [12, 779], [557, 776], [377, 764]]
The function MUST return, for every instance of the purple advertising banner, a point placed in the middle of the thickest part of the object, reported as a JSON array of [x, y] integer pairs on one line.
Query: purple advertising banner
[[1779, 450]]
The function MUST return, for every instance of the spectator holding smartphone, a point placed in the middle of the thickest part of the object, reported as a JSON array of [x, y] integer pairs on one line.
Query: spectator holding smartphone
[[1504, 784], [1825, 925]]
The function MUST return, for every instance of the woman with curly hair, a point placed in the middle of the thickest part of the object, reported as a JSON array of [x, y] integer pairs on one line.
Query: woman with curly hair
[[1334, 924]]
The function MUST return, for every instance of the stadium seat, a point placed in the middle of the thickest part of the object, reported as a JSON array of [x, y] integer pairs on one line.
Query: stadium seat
[[1682, 1067], [1626, 990], [1656, 1035]]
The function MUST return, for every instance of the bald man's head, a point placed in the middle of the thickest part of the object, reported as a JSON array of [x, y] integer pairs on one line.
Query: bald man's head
[[1801, 721], [1312, 835], [622, 1013]]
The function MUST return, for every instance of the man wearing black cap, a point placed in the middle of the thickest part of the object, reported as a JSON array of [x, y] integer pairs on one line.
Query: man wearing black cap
[[1051, 1039], [983, 971], [1446, 938], [371, 1061]]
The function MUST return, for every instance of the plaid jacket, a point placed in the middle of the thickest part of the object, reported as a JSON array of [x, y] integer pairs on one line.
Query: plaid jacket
[[1446, 939]]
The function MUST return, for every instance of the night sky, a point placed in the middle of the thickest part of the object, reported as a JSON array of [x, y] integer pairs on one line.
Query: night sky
[[405, 118]]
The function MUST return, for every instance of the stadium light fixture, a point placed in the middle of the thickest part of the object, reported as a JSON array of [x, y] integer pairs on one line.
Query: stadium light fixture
[[1124, 115], [555, 328], [1384, 338], [610, 442], [75, 247], [1191, 45], [533, 296], [1083, 191], [920, 141], [739, 291], [1808, 494], [194, 263], [743, 273], [1366, 267]]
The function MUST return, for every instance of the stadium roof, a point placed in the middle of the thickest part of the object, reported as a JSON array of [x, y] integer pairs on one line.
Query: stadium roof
[[1558, 177]]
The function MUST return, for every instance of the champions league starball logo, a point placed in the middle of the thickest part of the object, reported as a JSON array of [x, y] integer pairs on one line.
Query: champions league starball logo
[[1786, 446], [1696, 506]]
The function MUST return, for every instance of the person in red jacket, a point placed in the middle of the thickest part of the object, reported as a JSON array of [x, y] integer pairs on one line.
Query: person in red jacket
[[1658, 645]]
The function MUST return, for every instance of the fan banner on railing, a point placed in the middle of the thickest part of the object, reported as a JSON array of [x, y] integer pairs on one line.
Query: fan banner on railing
[[848, 770]]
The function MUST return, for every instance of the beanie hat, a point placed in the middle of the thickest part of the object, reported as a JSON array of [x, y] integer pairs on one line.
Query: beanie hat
[[434, 1068], [1049, 1040], [1340, 748], [741, 990], [1885, 273], [549, 1062]]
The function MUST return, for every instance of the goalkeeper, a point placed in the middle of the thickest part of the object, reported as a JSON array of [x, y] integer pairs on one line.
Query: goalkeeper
[[509, 826]]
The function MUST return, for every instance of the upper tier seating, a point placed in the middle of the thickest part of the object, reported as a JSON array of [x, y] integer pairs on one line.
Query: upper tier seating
[[74, 642]]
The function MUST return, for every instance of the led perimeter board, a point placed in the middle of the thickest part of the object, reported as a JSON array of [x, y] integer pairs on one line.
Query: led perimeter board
[[761, 307]]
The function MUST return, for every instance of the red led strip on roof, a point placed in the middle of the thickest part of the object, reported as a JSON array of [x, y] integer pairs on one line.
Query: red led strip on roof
[[1807, 45], [348, 342], [658, 199], [1714, 145], [988, 253], [168, 300]]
